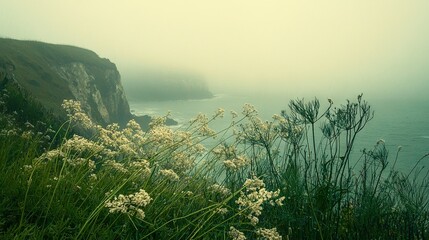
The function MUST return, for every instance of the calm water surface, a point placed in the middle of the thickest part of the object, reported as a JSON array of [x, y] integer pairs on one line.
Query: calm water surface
[[398, 123]]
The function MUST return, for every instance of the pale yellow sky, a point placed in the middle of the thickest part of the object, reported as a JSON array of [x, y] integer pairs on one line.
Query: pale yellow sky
[[300, 46]]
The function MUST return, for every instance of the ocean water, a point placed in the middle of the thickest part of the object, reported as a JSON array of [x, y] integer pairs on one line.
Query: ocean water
[[398, 123]]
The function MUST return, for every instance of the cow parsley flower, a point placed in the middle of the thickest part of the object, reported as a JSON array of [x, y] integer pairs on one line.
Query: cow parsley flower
[[219, 189], [236, 163], [169, 174], [131, 204], [253, 196], [235, 234], [269, 234]]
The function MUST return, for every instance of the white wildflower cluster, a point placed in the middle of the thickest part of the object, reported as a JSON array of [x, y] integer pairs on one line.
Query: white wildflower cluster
[[27, 134], [249, 110], [236, 163], [181, 162], [76, 151], [77, 162], [114, 165], [76, 114], [51, 156], [225, 151], [235, 234], [169, 174], [141, 165], [161, 135], [78, 145], [10, 132], [219, 113], [222, 211], [202, 125], [258, 131], [253, 196], [219, 189], [27, 168], [131, 204], [132, 143], [268, 234], [93, 177], [158, 121], [121, 143], [187, 193]]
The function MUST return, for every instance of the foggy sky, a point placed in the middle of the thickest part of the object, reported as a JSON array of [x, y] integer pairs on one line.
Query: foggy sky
[[298, 47]]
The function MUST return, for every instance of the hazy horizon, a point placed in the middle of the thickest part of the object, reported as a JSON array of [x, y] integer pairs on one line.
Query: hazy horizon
[[311, 48]]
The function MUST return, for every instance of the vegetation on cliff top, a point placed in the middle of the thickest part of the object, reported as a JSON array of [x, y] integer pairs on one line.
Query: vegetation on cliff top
[[42, 68], [261, 179]]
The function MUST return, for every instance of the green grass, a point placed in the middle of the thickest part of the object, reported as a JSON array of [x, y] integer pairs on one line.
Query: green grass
[[73, 190]]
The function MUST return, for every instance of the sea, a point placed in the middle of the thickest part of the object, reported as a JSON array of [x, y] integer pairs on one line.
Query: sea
[[399, 123]]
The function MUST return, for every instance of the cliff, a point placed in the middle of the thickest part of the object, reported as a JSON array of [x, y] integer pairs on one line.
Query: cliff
[[51, 73]]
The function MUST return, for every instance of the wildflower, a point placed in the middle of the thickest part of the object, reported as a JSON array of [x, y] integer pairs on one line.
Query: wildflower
[[234, 114], [141, 165], [236, 163], [27, 168], [76, 114], [12, 132], [181, 162], [115, 166], [219, 189], [28, 125], [47, 137], [80, 145], [249, 109], [93, 177], [132, 124], [162, 135], [278, 201], [169, 174], [158, 121], [131, 204], [253, 197], [188, 193], [50, 130], [222, 211], [27, 134], [202, 121], [219, 113], [235, 234], [269, 234], [204, 130], [77, 162]]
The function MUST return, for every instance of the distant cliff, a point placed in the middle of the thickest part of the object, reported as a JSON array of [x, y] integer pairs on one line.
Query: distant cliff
[[52, 73], [152, 85]]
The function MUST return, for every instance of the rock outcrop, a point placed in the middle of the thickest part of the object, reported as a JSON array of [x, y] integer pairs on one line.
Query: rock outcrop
[[52, 73]]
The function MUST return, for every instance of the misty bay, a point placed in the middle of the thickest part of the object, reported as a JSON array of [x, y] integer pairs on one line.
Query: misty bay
[[401, 123]]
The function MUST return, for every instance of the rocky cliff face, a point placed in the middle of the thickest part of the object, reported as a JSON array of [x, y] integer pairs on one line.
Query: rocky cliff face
[[106, 101], [52, 73]]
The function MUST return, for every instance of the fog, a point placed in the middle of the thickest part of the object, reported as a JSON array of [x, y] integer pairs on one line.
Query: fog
[[300, 48]]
